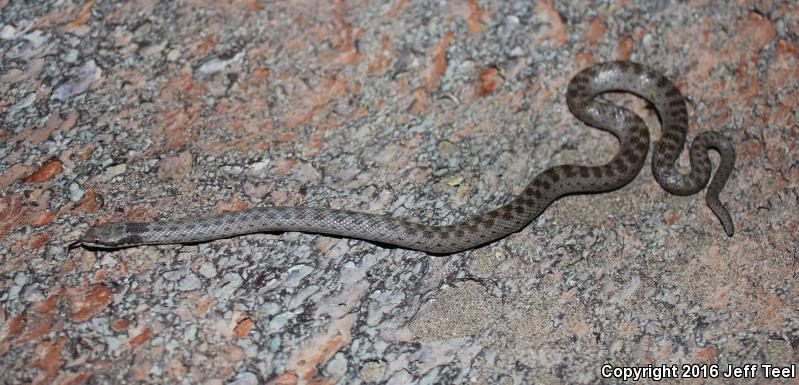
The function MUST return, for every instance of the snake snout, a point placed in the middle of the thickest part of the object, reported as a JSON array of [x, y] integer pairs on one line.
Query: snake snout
[[106, 235]]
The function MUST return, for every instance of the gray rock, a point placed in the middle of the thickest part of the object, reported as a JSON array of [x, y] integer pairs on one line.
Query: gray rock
[[79, 81], [189, 282]]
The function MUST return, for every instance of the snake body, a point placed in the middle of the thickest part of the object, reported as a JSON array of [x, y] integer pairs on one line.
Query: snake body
[[483, 228]]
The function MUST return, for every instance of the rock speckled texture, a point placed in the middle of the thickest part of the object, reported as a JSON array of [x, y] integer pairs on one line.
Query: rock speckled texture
[[136, 110]]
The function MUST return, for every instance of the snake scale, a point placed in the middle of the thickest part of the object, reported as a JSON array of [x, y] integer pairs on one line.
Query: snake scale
[[483, 228]]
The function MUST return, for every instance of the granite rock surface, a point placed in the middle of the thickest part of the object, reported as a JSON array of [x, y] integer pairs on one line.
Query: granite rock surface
[[434, 111]]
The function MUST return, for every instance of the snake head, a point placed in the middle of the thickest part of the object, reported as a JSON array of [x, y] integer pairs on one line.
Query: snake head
[[109, 236]]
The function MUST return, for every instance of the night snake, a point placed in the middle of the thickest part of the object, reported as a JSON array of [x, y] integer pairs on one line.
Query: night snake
[[480, 229]]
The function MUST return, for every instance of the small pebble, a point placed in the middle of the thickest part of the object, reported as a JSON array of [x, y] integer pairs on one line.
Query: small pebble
[[118, 169], [189, 282], [372, 371], [246, 378], [337, 367], [208, 270], [76, 192]]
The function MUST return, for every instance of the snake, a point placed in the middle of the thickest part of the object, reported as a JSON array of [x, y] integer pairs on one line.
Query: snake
[[584, 102]]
